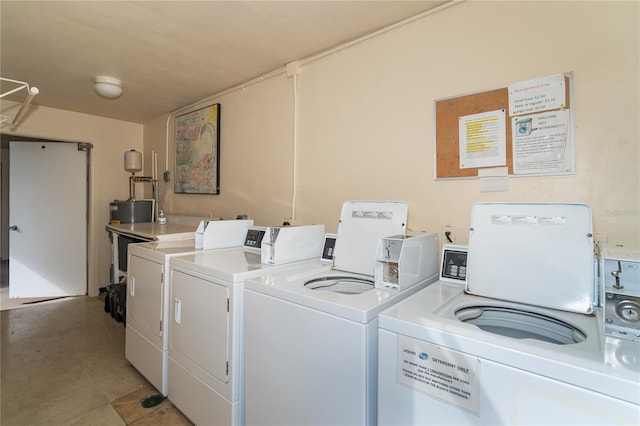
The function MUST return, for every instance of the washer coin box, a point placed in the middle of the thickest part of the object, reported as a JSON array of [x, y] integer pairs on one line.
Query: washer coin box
[[620, 276], [404, 260]]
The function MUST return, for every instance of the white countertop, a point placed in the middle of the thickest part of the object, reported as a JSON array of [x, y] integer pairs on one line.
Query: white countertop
[[154, 231]]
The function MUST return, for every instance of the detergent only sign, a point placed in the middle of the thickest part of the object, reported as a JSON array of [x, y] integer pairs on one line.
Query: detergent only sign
[[450, 376]]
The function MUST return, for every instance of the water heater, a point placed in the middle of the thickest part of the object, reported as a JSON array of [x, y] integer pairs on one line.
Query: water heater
[[131, 211]]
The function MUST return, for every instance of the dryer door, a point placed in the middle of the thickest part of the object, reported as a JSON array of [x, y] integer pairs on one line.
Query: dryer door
[[199, 327], [144, 301]]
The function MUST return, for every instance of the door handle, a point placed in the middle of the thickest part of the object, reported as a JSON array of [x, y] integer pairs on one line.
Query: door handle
[[13, 228], [177, 312], [132, 286]]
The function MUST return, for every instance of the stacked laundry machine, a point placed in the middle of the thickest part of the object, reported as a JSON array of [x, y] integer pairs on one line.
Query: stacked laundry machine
[[520, 339]]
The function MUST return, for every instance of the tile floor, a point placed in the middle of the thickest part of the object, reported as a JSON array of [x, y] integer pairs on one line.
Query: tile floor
[[62, 363]]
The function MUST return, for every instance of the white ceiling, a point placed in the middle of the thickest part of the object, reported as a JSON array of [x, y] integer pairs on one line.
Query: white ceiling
[[170, 54]]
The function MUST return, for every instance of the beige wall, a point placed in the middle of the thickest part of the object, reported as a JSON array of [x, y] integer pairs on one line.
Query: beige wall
[[365, 122], [108, 180], [255, 156]]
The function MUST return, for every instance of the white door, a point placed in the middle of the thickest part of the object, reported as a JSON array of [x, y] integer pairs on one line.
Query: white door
[[47, 219]]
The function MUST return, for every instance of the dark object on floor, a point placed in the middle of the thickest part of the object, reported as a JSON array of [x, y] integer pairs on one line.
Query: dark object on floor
[[115, 301], [152, 400]]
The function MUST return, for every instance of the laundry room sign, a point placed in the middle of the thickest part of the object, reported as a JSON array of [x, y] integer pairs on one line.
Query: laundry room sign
[[448, 375]]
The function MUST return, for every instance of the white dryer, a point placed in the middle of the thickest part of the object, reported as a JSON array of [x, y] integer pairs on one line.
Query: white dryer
[[311, 338], [147, 331], [147, 307], [521, 343], [205, 371]]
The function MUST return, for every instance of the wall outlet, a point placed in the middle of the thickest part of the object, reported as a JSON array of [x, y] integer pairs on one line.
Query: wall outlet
[[448, 235], [600, 239], [290, 222]]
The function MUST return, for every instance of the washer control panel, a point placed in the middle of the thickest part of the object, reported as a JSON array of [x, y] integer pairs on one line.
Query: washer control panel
[[454, 264], [620, 275]]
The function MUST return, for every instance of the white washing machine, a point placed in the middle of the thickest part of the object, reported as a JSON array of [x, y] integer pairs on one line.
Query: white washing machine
[[206, 310], [146, 337], [521, 343], [311, 338]]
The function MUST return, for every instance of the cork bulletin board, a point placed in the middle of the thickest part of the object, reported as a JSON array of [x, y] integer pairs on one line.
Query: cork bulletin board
[[532, 112]]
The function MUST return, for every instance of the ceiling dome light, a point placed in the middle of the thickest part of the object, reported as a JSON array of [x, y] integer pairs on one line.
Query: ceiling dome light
[[108, 87]]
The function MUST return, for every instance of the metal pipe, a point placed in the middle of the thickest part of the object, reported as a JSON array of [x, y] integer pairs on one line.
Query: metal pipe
[[132, 187], [156, 198]]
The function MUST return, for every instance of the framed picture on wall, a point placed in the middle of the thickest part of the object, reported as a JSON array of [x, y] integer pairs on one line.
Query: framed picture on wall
[[197, 143]]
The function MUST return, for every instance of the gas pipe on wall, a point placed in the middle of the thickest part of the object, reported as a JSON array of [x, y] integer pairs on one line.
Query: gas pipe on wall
[[135, 210]]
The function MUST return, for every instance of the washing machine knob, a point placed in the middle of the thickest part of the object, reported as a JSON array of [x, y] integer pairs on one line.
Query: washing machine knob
[[616, 275]]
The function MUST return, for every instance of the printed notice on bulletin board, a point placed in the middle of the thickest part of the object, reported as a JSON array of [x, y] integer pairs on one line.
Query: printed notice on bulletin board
[[482, 140], [525, 128], [541, 143], [448, 375], [541, 94]]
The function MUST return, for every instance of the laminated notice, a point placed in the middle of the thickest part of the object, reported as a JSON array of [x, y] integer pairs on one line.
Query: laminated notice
[[442, 373], [371, 214], [528, 220]]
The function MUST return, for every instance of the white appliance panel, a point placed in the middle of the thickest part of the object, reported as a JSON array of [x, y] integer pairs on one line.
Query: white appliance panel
[[230, 265], [145, 295], [288, 244], [505, 395], [215, 234], [362, 224], [204, 405], [538, 254], [197, 305], [308, 344], [147, 358]]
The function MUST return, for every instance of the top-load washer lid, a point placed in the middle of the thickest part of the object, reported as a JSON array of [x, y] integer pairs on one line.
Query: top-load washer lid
[[536, 254], [362, 224]]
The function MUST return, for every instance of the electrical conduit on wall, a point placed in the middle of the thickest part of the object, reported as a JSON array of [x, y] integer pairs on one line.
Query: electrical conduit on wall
[[293, 70]]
